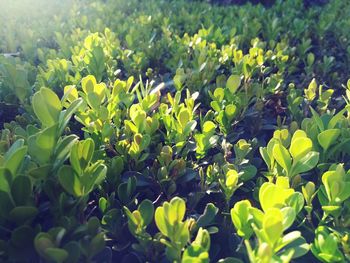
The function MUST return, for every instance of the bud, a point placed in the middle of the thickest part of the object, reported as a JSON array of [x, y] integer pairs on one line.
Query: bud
[[138, 138], [166, 155], [203, 239], [192, 225], [265, 253], [310, 59], [137, 216], [308, 190], [296, 181], [163, 172], [291, 85], [293, 127], [231, 178]]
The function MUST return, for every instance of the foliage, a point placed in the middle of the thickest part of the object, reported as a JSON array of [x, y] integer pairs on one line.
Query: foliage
[[174, 131]]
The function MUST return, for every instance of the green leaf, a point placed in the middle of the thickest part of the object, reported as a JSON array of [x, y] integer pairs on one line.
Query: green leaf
[[23, 214], [264, 154], [257, 216], [298, 134], [73, 249], [131, 185], [103, 204], [195, 253], [215, 105], [305, 163], [21, 190], [40, 172], [328, 138], [233, 82], [203, 239], [298, 245], [14, 161], [184, 117], [96, 62], [69, 180], [56, 254], [6, 204], [47, 106], [288, 217], [42, 242], [41, 145], [190, 127], [230, 260], [176, 211], [70, 95], [94, 100], [249, 171], [281, 155], [299, 147], [5, 179], [272, 225], [46, 140], [92, 176], [317, 119], [130, 126], [126, 190], [283, 136], [97, 244], [67, 114], [14, 147], [146, 209], [336, 118], [22, 235], [231, 179], [296, 201], [160, 220], [274, 196], [310, 92], [88, 84], [208, 215], [81, 154], [219, 94], [230, 111], [63, 149], [240, 216], [209, 127]]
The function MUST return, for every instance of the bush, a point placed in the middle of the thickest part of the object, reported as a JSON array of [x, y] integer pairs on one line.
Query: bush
[[174, 131]]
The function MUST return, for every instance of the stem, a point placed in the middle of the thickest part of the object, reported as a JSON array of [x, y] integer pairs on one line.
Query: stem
[[337, 221], [309, 219]]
